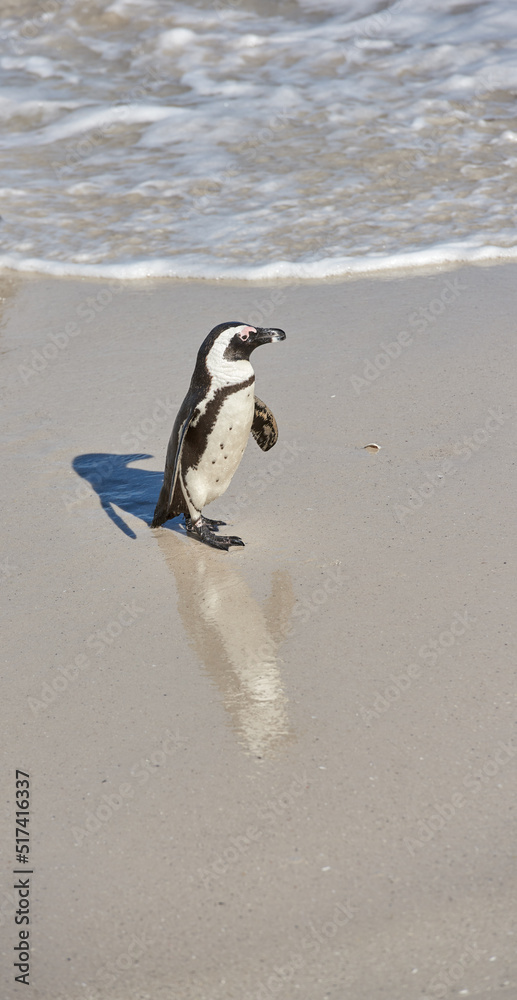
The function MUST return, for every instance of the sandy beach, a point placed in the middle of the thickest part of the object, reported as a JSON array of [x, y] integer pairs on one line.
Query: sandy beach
[[288, 770]]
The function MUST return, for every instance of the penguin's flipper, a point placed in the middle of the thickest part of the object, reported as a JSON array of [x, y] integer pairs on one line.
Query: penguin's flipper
[[181, 425], [264, 427]]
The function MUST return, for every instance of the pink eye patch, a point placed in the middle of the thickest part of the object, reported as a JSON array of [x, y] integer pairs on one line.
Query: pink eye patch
[[245, 332]]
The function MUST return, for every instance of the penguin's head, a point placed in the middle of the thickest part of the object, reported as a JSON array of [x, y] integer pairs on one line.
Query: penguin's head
[[225, 353], [236, 341]]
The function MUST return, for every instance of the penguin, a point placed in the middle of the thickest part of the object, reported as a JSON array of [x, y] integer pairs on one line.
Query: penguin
[[212, 428]]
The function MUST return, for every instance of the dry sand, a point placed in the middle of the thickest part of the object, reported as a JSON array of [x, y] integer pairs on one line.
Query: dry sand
[[286, 771]]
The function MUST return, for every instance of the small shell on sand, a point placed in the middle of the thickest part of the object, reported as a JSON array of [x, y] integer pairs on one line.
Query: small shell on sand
[[372, 447]]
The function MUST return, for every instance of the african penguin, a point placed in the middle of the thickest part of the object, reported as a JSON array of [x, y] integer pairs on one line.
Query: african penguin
[[212, 428]]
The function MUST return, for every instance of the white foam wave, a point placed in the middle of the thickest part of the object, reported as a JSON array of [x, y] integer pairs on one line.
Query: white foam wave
[[82, 122], [194, 267]]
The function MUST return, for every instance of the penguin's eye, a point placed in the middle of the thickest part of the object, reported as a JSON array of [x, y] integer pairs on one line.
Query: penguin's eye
[[244, 335]]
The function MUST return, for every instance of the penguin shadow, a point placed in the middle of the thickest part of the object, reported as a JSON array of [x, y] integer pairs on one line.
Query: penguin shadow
[[236, 638], [133, 490]]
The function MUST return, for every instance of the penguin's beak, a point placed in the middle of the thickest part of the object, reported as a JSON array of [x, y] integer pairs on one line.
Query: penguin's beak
[[266, 335]]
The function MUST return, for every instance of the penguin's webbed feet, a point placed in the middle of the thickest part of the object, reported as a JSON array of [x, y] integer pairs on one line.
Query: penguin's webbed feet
[[203, 532], [212, 525]]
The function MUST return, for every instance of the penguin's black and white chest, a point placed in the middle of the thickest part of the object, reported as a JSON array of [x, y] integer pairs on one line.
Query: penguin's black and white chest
[[220, 433]]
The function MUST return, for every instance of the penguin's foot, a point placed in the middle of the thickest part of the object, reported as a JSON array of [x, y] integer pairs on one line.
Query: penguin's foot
[[212, 525], [202, 530]]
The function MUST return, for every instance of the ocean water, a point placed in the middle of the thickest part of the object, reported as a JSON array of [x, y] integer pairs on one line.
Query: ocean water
[[255, 138]]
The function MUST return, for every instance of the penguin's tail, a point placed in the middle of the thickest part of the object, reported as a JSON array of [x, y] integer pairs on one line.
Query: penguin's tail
[[161, 513]]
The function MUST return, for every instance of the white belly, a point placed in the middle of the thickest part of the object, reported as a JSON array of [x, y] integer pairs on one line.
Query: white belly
[[225, 447]]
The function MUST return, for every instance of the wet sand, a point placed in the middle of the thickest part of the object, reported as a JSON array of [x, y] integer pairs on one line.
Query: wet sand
[[287, 770]]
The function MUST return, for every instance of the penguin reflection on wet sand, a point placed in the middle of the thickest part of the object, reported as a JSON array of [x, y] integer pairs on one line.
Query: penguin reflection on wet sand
[[212, 428]]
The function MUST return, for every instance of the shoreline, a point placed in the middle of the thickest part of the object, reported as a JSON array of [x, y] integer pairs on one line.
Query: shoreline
[[405, 264]]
